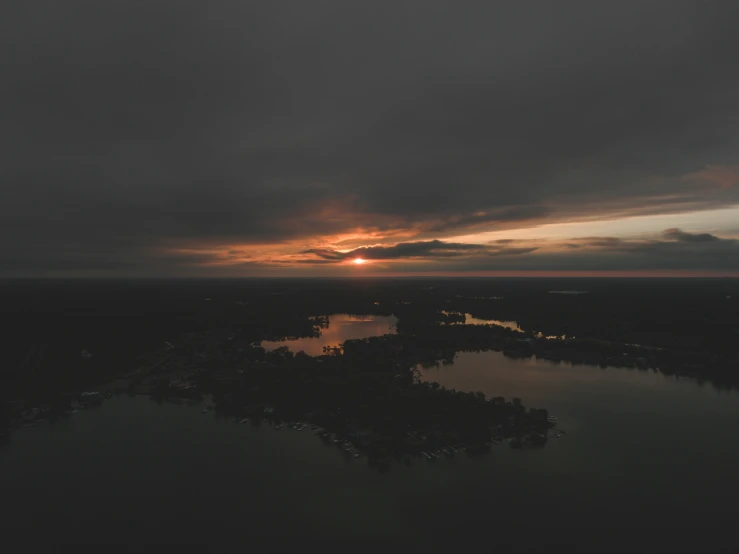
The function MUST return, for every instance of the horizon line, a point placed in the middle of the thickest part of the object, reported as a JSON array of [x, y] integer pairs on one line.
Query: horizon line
[[414, 275]]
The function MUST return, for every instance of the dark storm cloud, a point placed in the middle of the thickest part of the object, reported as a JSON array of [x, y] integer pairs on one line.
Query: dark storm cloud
[[433, 249], [673, 240], [682, 236], [132, 126], [675, 250]]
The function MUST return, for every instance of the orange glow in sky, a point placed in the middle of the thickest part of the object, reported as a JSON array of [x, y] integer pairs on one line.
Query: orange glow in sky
[[358, 261]]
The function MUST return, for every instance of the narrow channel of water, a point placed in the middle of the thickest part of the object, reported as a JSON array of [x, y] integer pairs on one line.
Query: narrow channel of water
[[341, 327]]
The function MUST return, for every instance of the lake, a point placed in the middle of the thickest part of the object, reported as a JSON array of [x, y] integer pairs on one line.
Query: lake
[[648, 463], [341, 327]]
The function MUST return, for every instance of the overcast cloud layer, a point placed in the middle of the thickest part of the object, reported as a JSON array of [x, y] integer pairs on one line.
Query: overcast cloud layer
[[165, 137]]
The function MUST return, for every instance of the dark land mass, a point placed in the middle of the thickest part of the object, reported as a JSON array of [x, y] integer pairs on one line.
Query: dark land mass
[[188, 338]]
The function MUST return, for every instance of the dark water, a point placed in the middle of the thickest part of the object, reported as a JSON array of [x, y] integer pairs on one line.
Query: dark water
[[469, 319], [341, 327], [648, 454], [648, 463]]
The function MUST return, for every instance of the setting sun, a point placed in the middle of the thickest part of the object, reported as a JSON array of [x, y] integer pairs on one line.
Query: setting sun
[[358, 261]]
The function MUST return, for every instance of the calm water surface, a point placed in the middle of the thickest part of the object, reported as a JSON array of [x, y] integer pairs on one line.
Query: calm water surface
[[648, 463], [341, 327], [469, 319]]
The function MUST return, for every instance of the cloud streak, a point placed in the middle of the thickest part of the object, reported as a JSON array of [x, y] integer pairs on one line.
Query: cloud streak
[[426, 250], [672, 250]]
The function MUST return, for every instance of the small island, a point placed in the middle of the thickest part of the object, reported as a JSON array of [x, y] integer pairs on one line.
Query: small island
[[365, 397]]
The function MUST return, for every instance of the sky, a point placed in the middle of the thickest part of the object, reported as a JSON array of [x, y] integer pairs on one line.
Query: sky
[[294, 138]]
